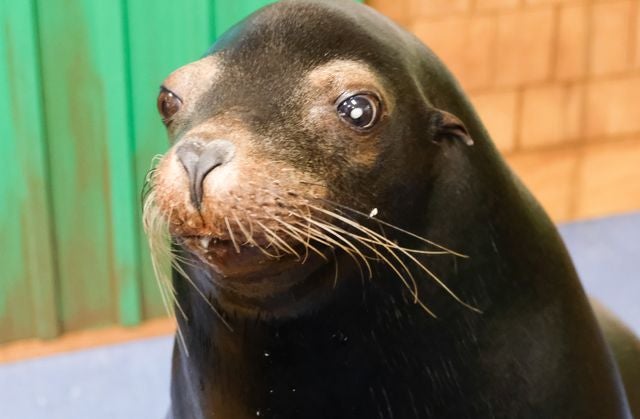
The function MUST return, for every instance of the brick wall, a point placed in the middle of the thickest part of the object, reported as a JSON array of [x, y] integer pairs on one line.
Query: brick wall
[[556, 82]]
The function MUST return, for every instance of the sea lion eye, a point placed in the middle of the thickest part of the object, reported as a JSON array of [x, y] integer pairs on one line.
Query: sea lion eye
[[361, 110], [168, 104]]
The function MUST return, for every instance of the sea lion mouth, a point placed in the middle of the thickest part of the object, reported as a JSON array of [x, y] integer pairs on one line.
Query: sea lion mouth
[[248, 278], [243, 260], [287, 287]]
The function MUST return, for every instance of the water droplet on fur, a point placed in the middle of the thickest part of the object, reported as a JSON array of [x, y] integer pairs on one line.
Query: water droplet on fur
[[339, 337]]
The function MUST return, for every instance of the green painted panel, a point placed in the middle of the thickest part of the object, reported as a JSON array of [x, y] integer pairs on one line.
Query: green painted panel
[[14, 291], [27, 283], [124, 217], [78, 130], [161, 38], [86, 113]]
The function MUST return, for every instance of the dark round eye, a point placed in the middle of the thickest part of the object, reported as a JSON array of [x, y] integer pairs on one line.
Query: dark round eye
[[168, 104], [361, 110]]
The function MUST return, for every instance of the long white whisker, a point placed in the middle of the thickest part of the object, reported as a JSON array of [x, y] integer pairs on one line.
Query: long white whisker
[[409, 255], [427, 241]]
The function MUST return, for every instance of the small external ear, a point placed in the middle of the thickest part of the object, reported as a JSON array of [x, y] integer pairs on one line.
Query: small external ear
[[448, 126]]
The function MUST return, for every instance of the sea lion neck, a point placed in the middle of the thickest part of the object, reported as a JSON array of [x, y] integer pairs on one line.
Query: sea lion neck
[[314, 365]]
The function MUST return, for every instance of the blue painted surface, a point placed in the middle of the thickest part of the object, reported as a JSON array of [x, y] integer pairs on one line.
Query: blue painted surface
[[132, 380], [127, 381], [606, 253]]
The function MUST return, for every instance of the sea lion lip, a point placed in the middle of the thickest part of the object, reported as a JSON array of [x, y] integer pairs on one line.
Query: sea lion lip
[[297, 287], [243, 261], [250, 281]]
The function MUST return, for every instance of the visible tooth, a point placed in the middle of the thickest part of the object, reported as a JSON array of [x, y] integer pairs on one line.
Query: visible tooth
[[204, 242]]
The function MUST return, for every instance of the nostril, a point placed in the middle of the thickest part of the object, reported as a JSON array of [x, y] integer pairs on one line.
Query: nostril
[[188, 154], [199, 159]]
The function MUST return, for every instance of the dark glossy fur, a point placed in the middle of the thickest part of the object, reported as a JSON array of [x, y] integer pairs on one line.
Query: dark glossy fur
[[536, 350]]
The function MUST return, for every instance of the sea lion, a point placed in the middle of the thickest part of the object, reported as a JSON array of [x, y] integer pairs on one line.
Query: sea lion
[[347, 242]]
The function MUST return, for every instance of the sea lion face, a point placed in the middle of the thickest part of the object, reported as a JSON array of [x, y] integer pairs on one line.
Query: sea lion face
[[278, 152]]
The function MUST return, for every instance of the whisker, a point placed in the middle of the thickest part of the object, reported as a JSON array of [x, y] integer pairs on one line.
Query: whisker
[[160, 250], [344, 240], [164, 259], [409, 255], [348, 247], [323, 238], [357, 256], [231, 235], [295, 233], [274, 240], [249, 237], [412, 288], [283, 243], [427, 241], [335, 275], [206, 300], [364, 241]]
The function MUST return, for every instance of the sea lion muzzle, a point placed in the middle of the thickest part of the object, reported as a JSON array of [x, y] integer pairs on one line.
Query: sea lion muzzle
[[199, 158]]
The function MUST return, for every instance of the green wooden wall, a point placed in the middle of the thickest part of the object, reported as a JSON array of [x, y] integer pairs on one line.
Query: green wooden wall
[[78, 129]]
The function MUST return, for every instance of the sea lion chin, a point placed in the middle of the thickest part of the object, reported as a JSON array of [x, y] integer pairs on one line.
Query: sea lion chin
[[346, 242]]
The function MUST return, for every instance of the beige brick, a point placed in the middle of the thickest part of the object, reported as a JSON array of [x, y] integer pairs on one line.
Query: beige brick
[[398, 10], [571, 47], [479, 53], [549, 175], [611, 37], [609, 179], [423, 8], [637, 35], [613, 107], [523, 49], [464, 44], [498, 113], [445, 37], [496, 4], [537, 2], [550, 114]]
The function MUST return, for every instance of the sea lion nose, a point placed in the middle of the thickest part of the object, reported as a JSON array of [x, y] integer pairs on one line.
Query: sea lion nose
[[199, 158]]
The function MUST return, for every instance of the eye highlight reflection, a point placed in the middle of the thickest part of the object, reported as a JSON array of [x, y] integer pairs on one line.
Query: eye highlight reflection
[[168, 104], [361, 111]]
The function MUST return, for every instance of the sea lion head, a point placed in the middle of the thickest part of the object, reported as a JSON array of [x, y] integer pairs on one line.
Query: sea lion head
[[306, 144]]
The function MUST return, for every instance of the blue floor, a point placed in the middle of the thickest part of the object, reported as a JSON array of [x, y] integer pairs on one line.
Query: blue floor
[[131, 380], [606, 253], [127, 381]]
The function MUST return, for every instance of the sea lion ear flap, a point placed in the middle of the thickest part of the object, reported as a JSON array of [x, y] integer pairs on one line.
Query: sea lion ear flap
[[449, 127]]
